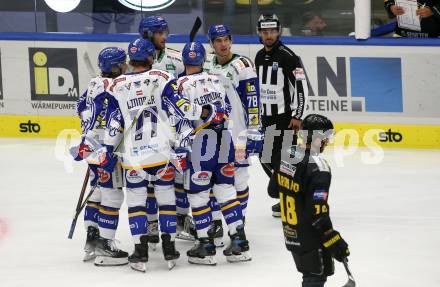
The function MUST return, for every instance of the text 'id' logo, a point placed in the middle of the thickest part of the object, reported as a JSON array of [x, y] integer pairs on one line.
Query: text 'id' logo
[[54, 74]]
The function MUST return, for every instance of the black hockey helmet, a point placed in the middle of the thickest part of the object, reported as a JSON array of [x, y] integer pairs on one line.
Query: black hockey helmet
[[268, 21], [316, 126]]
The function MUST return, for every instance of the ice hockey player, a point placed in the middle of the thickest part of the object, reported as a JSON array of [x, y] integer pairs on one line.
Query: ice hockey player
[[211, 163], [155, 29], [139, 110], [302, 182], [101, 213], [240, 70]]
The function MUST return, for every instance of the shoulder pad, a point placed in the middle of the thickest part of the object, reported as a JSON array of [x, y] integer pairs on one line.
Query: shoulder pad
[[321, 163]]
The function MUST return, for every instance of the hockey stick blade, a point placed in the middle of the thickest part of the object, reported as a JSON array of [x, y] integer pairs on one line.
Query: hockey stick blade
[[195, 29], [350, 282]]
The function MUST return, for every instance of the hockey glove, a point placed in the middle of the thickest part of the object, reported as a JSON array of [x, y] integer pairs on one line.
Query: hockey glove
[[180, 159], [81, 151], [336, 245], [254, 144], [108, 160], [216, 114]]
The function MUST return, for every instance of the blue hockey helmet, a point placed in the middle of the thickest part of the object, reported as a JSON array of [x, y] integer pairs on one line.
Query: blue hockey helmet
[[216, 31], [193, 54], [151, 25], [111, 57], [140, 49]]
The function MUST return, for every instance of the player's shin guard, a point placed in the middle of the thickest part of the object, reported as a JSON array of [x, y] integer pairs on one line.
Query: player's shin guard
[[137, 219], [167, 220], [108, 219], [232, 213], [215, 207], [243, 197], [202, 219]]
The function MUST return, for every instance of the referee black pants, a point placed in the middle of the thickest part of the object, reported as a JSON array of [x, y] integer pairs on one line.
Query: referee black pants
[[270, 123]]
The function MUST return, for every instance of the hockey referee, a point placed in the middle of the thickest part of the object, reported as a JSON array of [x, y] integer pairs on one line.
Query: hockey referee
[[283, 91]]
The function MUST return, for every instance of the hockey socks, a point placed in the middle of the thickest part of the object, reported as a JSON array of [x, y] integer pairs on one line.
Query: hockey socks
[[232, 213], [167, 219], [91, 212], [202, 219], [151, 204], [182, 203], [215, 207], [108, 219], [243, 197], [137, 219]]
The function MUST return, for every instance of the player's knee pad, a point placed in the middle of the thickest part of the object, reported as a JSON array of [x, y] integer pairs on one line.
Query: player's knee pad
[[241, 178], [198, 199], [224, 192], [136, 196], [112, 197], [165, 194]]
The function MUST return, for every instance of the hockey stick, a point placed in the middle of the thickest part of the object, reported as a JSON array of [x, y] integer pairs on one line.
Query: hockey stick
[[78, 205], [195, 29], [350, 282]]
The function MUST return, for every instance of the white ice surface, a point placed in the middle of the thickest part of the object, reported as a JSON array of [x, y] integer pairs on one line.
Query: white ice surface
[[389, 213]]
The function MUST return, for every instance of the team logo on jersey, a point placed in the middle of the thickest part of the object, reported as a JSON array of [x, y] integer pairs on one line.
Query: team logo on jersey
[[201, 177], [165, 174], [289, 231], [53, 74], [228, 170], [299, 74], [142, 5], [135, 175], [103, 175]]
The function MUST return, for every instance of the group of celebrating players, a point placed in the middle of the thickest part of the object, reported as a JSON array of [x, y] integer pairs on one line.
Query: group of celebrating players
[[146, 129], [176, 130]]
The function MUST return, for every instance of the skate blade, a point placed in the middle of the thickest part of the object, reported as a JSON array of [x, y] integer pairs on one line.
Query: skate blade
[[243, 257], [89, 256], [276, 214], [139, 266], [152, 246], [185, 236], [110, 261], [218, 242], [171, 264], [208, 260]]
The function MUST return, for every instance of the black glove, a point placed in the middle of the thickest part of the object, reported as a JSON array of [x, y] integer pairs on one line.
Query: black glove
[[336, 245]]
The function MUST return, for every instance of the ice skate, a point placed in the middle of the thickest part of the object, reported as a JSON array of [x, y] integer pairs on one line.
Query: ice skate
[[202, 253], [108, 254], [216, 231], [89, 247], [238, 249], [186, 229], [138, 260], [169, 250], [153, 234]]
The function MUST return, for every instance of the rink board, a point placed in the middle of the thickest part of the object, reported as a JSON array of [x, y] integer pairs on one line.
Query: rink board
[[389, 84], [347, 134]]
